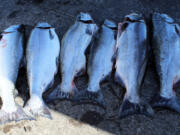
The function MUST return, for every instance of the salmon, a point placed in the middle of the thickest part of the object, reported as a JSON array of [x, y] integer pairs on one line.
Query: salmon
[[11, 54], [72, 56], [131, 63], [100, 64], [166, 49], [42, 56]]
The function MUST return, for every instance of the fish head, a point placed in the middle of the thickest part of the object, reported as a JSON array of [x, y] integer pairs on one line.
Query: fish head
[[110, 24], [47, 27], [84, 17], [165, 26], [134, 17], [15, 28], [162, 18], [43, 25], [162, 22], [128, 19]]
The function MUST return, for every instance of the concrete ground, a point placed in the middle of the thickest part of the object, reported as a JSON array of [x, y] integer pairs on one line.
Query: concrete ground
[[89, 119]]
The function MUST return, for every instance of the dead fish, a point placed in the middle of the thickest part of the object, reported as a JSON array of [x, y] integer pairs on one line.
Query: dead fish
[[42, 51], [166, 48], [72, 56], [131, 61], [100, 64], [11, 53]]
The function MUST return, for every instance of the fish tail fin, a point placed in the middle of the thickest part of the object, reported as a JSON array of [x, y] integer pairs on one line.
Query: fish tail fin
[[37, 108], [52, 95], [85, 96], [170, 103], [129, 108], [17, 115], [57, 94]]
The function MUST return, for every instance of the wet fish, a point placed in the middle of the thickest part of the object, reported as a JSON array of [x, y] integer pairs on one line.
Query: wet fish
[[166, 48], [72, 56], [11, 53], [131, 61], [43, 50], [100, 63]]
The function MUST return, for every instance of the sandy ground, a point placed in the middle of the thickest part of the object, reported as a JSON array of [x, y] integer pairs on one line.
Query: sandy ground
[[89, 119], [60, 125]]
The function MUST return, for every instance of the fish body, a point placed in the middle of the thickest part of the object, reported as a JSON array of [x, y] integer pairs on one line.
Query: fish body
[[72, 57], [166, 48], [131, 61], [100, 63], [11, 53], [42, 52]]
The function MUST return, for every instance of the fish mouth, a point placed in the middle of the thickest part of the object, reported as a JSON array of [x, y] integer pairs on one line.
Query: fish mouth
[[134, 17], [112, 25], [85, 18], [43, 25], [162, 17], [14, 28]]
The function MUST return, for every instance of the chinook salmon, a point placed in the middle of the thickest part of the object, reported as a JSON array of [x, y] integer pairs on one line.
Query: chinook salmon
[[100, 63], [166, 48], [42, 64], [11, 53], [72, 57], [131, 61]]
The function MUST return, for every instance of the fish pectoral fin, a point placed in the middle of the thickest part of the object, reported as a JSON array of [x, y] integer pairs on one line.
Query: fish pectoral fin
[[85, 96], [18, 115], [127, 108], [35, 110], [172, 103]]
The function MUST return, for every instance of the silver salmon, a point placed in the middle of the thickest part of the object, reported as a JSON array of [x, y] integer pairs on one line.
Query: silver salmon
[[166, 48], [131, 61], [11, 53], [100, 63], [42, 52], [72, 56]]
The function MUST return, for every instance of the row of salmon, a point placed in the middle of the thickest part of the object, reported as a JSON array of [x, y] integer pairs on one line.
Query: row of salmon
[[126, 51]]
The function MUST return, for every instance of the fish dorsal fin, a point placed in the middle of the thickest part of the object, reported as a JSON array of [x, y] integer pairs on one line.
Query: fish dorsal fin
[[85, 18], [110, 24]]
